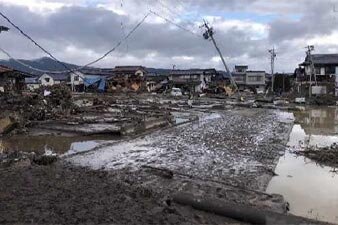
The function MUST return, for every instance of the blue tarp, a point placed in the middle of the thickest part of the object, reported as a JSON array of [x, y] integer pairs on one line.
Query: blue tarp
[[101, 81]]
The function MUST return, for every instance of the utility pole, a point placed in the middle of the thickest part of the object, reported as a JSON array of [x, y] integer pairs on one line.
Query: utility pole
[[273, 56], [310, 48], [209, 34]]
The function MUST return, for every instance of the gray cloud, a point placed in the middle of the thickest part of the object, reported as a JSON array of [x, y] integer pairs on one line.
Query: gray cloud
[[317, 19], [95, 30]]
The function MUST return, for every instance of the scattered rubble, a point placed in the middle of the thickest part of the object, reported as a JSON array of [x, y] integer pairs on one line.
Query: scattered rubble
[[327, 156], [210, 146], [20, 158]]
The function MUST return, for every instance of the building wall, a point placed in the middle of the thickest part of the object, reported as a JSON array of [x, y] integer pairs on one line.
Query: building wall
[[139, 73], [322, 70], [76, 78], [255, 78], [239, 78]]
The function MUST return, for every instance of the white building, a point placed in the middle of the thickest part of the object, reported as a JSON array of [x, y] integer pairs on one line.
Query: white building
[[249, 78], [52, 79], [77, 81]]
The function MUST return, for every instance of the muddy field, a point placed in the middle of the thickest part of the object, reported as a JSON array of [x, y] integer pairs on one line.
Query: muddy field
[[210, 148], [61, 194]]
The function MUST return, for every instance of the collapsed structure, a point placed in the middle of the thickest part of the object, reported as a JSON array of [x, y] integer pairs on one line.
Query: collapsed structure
[[11, 79], [193, 80]]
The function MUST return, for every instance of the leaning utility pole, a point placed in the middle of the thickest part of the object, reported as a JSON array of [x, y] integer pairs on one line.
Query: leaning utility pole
[[273, 55], [209, 34]]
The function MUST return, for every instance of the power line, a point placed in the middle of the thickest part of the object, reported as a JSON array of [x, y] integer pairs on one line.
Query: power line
[[175, 13], [90, 63], [123, 30], [182, 3], [175, 24], [120, 42], [32, 40]]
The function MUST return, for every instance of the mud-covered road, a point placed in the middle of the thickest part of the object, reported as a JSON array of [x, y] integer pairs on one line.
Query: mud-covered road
[[237, 146], [229, 155]]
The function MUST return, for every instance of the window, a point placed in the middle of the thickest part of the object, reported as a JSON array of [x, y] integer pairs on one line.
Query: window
[[47, 79], [239, 78], [330, 70], [255, 78], [76, 78]]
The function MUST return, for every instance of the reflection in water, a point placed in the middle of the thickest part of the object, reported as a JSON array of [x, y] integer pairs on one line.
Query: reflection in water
[[318, 121], [311, 190]]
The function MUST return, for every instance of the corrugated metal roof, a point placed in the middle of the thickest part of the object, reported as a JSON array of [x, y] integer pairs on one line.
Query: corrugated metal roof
[[128, 68], [98, 71], [323, 59], [193, 72]]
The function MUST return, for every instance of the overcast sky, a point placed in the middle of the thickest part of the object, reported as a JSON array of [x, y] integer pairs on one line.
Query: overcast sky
[[79, 31]]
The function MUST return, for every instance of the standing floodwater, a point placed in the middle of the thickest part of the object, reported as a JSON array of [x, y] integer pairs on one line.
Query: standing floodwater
[[311, 189]]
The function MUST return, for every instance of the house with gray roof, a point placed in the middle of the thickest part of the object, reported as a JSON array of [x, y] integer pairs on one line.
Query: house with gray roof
[[325, 65], [325, 74]]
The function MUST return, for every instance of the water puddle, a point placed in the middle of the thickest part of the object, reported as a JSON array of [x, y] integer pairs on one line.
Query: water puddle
[[311, 189], [57, 144]]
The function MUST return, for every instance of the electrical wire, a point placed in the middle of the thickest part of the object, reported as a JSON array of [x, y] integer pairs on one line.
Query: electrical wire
[[173, 12], [90, 63], [120, 42], [26, 65], [32, 40], [175, 24]]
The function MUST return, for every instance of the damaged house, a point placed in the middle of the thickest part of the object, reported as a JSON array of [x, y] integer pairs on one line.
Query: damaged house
[[52, 79], [90, 79], [11, 79], [324, 78], [157, 79], [192, 80], [252, 79], [127, 78]]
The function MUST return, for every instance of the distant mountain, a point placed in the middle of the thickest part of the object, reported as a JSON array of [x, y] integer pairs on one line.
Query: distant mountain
[[49, 64], [44, 63]]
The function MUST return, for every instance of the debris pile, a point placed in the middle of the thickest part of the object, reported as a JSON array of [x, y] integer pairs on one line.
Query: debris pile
[[327, 156], [17, 110], [50, 103], [323, 100], [22, 159]]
